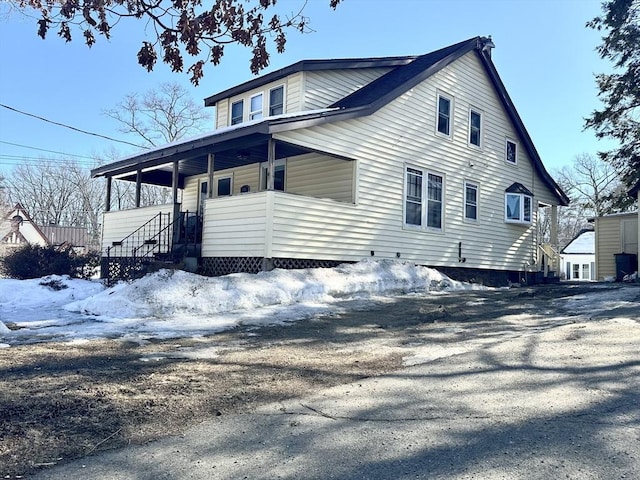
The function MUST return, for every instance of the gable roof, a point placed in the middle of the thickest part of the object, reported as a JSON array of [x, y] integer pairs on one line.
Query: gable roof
[[408, 72], [18, 209], [309, 66], [584, 243]]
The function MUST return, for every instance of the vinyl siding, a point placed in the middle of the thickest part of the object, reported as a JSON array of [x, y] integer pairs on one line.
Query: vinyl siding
[[119, 224], [609, 242], [324, 87], [320, 176], [404, 133], [235, 226]]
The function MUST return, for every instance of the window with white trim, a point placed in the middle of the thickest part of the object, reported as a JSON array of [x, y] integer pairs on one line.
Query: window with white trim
[[279, 175], [255, 104], [445, 108], [237, 112], [511, 151], [475, 127], [471, 201], [276, 101], [518, 208], [424, 200]]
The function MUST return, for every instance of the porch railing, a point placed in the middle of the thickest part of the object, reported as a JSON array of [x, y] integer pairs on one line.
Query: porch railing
[[160, 239], [548, 260]]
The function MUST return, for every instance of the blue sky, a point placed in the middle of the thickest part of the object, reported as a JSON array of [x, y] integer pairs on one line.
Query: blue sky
[[544, 54]]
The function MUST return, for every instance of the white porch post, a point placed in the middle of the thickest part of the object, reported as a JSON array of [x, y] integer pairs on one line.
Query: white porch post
[[138, 187], [271, 163], [107, 201], [554, 238], [210, 170]]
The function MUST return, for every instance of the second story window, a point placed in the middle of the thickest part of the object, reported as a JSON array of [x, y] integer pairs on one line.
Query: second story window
[[511, 151], [256, 107], [475, 125], [444, 115], [276, 101], [237, 109]]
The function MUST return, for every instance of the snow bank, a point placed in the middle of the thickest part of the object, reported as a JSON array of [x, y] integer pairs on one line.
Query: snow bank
[[170, 292]]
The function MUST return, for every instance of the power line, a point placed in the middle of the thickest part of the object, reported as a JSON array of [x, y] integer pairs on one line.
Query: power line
[[68, 126], [45, 150]]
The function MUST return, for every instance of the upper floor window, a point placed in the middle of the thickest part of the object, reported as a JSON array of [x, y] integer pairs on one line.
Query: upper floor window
[[470, 201], [444, 115], [237, 111], [475, 125], [255, 104], [511, 151], [518, 205], [276, 101], [424, 201]]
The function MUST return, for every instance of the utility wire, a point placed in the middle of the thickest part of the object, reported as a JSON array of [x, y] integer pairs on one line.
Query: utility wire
[[44, 150], [68, 126]]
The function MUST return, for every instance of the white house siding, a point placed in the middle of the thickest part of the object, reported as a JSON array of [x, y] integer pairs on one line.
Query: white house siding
[[222, 113], [235, 226], [119, 224], [403, 132], [324, 87], [320, 176], [609, 241]]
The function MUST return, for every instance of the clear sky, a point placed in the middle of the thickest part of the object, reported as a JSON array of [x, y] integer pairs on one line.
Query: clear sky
[[544, 54]]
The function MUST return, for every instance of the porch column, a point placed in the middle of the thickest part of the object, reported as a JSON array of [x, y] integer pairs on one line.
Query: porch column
[[138, 187], [210, 171], [176, 205], [554, 238], [174, 181], [107, 201], [271, 163]]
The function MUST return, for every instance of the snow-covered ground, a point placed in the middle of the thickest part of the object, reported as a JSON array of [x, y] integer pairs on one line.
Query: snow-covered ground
[[171, 304], [174, 304]]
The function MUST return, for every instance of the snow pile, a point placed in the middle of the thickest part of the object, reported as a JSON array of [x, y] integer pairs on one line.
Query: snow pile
[[172, 304], [170, 292]]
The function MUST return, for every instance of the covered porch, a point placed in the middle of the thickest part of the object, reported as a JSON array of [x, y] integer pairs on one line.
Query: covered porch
[[220, 185]]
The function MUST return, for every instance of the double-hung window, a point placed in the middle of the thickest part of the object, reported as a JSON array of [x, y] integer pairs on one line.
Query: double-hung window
[[475, 127], [444, 115], [470, 201], [237, 112], [511, 151], [424, 202], [255, 104], [276, 101]]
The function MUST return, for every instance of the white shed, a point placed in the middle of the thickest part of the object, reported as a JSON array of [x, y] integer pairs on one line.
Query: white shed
[[578, 258]]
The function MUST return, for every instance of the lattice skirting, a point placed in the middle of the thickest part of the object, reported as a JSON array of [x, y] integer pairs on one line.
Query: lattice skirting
[[122, 268], [216, 266]]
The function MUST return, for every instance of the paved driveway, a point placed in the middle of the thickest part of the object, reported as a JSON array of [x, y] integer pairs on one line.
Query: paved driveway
[[553, 393]]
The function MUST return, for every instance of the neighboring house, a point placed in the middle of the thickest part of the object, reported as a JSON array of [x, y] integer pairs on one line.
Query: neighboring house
[[616, 245], [17, 229], [421, 158], [67, 237], [578, 258]]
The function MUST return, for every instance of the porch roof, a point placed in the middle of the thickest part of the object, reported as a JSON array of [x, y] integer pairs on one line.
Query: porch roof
[[234, 146]]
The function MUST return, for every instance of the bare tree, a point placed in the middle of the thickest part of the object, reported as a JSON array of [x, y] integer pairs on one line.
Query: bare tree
[[590, 182], [59, 192], [161, 115]]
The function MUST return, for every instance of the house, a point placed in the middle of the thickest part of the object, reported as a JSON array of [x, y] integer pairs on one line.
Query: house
[[18, 229], [616, 245], [422, 158], [578, 258]]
